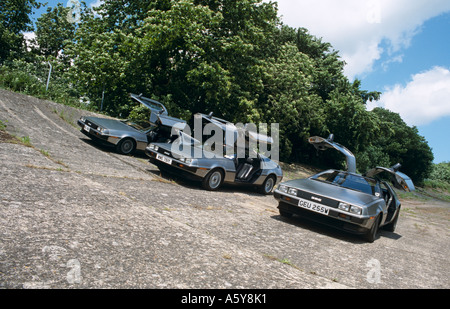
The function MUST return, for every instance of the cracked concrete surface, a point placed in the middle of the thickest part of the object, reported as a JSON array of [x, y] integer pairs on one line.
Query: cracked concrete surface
[[77, 215]]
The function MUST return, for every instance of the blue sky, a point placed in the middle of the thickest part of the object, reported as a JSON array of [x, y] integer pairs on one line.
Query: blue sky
[[430, 48], [398, 47]]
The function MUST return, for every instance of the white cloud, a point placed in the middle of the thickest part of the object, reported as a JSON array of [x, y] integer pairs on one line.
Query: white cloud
[[30, 40], [358, 27], [424, 99], [29, 36], [97, 3]]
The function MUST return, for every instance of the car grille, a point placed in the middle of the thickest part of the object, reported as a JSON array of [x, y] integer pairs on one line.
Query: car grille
[[165, 152], [91, 124], [313, 198]]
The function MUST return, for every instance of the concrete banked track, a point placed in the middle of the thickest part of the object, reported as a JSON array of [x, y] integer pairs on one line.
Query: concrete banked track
[[77, 215]]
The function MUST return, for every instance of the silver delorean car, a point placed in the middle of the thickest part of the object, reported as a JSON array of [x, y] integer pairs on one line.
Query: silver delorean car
[[128, 136], [197, 162], [356, 203]]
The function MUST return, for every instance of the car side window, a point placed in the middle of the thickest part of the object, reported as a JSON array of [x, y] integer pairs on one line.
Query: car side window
[[377, 190], [386, 191]]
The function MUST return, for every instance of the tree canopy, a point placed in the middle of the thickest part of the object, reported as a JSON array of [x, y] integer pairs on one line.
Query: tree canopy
[[234, 58], [14, 20]]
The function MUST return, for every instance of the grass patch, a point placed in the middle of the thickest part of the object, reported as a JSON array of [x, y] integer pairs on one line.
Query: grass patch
[[283, 261], [25, 140], [426, 193], [5, 137], [59, 169], [2, 126], [45, 153]]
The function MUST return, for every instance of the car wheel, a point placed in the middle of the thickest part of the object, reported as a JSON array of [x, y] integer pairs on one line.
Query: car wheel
[[213, 180], [373, 232], [267, 186], [391, 226], [126, 146]]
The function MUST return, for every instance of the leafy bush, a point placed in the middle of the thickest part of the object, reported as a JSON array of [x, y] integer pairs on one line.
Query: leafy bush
[[441, 172], [31, 79], [20, 82]]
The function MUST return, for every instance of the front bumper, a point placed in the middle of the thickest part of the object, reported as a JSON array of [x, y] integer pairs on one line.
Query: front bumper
[[335, 218], [97, 135], [176, 166]]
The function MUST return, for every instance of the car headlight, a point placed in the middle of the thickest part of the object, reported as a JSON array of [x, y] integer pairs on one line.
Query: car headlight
[[83, 119], [292, 191], [283, 188], [344, 206], [350, 208], [153, 147], [188, 161], [355, 210]]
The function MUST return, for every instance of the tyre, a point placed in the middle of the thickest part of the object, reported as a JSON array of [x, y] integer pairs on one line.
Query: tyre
[[213, 181], [391, 226], [373, 232], [267, 186], [126, 146]]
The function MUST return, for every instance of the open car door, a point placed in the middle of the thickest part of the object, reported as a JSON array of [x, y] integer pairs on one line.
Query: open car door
[[321, 143], [398, 179], [233, 132], [159, 115], [156, 107]]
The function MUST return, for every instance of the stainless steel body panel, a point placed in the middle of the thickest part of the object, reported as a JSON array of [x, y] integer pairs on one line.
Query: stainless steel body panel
[[202, 166], [136, 134], [345, 199]]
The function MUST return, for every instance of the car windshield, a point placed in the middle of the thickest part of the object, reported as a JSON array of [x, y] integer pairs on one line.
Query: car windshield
[[140, 125], [349, 181]]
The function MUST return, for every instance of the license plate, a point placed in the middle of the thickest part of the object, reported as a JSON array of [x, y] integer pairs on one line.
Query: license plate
[[86, 128], [163, 159], [314, 207]]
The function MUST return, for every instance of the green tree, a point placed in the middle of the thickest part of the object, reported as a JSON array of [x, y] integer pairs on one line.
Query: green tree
[[404, 145], [54, 31], [441, 172], [100, 62], [186, 53], [14, 20], [236, 59], [286, 100]]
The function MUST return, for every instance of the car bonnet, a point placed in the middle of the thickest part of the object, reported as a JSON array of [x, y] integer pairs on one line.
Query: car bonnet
[[110, 124], [319, 188]]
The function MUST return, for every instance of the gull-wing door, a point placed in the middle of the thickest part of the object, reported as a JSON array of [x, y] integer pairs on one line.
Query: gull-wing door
[[398, 179], [246, 131], [230, 130], [321, 143], [168, 123], [156, 107], [221, 123], [261, 138]]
